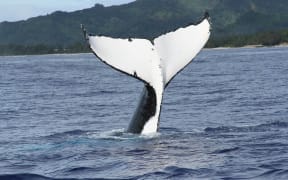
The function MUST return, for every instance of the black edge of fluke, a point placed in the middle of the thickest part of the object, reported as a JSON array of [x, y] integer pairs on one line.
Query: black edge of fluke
[[205, 16], [86, 36]]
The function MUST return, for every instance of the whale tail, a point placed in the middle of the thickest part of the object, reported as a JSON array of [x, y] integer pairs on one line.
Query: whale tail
[[155, 62]]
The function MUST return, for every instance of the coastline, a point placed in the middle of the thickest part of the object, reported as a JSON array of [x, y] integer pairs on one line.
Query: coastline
[[281, 45]]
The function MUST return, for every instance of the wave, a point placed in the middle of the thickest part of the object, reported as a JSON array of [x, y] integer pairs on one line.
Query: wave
[[80, 169], [24, 177], [257, 128], [273, 174], [38, 177], [170, 172], [175, 172], [67, 133], [227, 150]]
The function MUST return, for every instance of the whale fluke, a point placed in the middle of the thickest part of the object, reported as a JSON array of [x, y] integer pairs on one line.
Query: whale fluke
[[154, 62]]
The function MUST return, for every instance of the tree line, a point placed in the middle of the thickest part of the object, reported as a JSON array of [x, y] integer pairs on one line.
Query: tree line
[[270, 38], [14, 49]]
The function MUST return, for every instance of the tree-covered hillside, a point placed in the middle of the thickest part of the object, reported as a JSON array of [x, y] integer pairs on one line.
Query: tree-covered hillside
[[148, 19]]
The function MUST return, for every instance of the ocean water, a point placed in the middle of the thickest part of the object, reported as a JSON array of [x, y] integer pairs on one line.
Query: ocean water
[[223, 117]]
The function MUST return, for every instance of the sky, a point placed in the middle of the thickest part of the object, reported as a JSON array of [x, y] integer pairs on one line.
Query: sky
[[14, 10]]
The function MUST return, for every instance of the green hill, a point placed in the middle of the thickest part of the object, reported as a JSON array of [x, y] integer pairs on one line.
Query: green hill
[[147, 19]]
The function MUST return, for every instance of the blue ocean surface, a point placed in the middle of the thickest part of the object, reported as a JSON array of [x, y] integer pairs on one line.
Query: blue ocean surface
[[224, 117]]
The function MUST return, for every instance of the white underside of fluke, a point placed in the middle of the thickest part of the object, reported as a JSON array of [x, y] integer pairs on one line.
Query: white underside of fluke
[[155, 63]]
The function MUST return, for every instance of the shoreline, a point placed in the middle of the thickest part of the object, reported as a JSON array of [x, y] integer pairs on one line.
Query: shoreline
[[282, 45]]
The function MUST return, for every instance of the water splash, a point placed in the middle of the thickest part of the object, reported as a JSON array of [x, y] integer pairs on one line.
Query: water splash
[[120, 134]]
